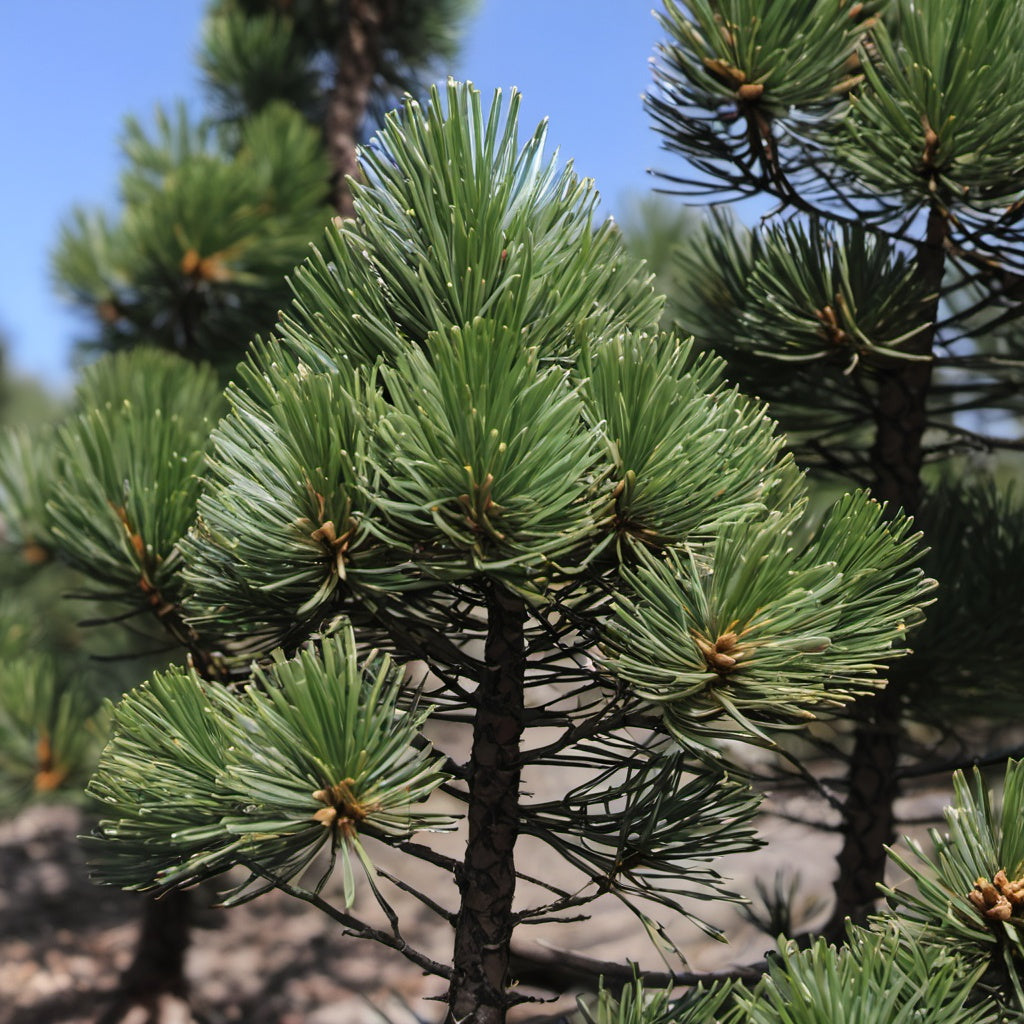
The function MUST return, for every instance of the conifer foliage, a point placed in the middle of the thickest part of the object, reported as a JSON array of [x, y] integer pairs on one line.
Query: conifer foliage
[[215, 211], [877, 307], [470, 447], [468, 514], [212, 217]]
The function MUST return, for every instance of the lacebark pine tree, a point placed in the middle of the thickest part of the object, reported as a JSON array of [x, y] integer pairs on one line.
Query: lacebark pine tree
[[878, 309], [467, 481]]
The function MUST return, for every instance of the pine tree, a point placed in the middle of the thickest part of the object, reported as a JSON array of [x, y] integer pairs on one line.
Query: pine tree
[[35, 717], [467, 481], [51, 726], [216, 211], [877, 308]]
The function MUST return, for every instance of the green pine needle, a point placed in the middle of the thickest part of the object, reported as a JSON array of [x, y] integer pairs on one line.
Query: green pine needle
[[314, 754], [968, 893], [873, 979], [756, 631], [131, 463]]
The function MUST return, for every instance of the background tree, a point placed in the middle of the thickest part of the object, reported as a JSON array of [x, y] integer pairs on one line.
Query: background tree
[[344, 64], [877, 307], [133, 420], [44, 748], [214, 213]]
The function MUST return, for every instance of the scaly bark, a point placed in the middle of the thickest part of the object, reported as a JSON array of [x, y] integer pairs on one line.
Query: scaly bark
[[869, 822], [487, 879], [357, 55]]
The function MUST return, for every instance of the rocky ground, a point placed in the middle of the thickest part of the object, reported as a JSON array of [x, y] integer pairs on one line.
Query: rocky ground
[[64, 941]]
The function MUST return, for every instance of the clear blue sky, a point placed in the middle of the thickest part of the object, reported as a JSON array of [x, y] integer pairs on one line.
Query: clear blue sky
[[70, 70]]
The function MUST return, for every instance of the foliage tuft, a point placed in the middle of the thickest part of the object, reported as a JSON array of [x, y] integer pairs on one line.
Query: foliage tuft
[[315, 754]]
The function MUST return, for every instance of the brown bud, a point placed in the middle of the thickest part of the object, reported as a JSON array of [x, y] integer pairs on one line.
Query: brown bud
[[931, 145], [326, 816], [205, 268], [190, 262], [108, 311], [35, 554], [993, 901], [1000, 910], [1013, 891], [723, 654], [325, 533], [213, 268], [724, 72]]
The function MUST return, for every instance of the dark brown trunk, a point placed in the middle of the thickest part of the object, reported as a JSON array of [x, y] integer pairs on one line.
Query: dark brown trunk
[[160, 956], [357, 56], [868, 816], [158, 970], [901, 413], [487, 879]]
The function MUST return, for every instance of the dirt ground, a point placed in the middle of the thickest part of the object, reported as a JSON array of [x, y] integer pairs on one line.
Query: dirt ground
[[63, 941]]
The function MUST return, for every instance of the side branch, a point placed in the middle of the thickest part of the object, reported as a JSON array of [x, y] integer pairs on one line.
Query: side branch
[[353, 926], [560, 970]]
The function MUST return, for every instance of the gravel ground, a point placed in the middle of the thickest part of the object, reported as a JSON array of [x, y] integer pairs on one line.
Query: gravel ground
[[64, 941]]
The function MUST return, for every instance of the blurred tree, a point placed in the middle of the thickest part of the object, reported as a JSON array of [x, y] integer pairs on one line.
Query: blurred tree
[[50, 731], [213, 217], [878, 308], [652, 226], [215, 213], [343, 63]]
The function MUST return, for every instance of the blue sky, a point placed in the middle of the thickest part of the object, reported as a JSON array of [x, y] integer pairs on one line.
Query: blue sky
[[71, 70]]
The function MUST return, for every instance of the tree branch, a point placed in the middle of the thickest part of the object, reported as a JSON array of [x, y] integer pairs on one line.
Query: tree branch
[[559, 970], [353, 926]]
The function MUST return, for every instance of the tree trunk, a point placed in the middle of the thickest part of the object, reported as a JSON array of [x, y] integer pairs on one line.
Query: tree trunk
[[155, 980], [357, 55], [868, 816], [900, 418], [487, 880]]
